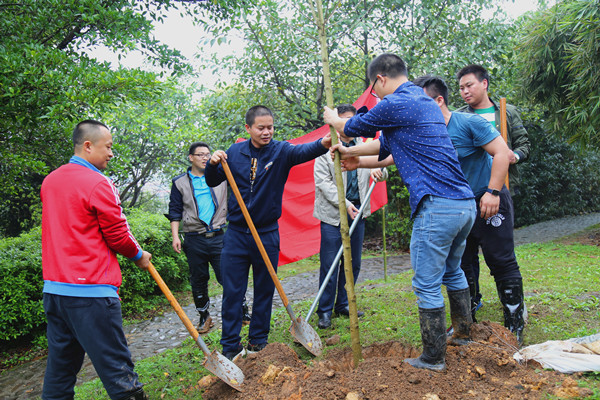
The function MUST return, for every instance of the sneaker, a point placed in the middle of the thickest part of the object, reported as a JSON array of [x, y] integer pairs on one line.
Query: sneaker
[[254, 348], [205, 324], [235, 354]]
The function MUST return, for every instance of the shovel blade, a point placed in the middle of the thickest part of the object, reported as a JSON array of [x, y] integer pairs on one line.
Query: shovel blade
[[224, 369], [306, 336]]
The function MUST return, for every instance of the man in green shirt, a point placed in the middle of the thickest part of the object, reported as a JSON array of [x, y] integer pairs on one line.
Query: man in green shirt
[[474, 83]]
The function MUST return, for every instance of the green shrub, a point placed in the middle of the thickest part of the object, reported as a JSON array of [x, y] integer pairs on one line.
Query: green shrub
[[559, 179], [21, 281]]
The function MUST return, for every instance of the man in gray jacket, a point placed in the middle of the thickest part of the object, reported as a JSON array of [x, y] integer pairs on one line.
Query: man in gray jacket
[[199, 212], [327, 211]]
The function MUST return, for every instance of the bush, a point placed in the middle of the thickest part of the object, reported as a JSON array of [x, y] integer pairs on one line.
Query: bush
[[559, 179], [21, 281]]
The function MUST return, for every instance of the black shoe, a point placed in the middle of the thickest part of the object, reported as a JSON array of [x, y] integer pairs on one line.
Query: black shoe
[[325, 321], [513, 305], [137, 395], [232, 355], [433, 328], [346, 312], [205, 324], [254, 348]]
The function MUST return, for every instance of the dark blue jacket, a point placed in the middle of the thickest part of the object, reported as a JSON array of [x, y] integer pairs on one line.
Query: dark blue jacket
[[263, 198]]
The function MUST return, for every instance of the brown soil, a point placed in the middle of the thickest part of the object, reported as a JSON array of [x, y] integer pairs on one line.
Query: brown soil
[[484, 369]]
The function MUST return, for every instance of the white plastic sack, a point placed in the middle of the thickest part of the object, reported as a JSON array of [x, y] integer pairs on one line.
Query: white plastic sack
[[567, 356]]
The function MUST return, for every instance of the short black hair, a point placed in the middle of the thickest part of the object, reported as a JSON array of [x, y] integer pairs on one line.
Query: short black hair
[[195, 145], [475, 69], [86, 130], [386, 64], [257, 111], [344, 108], [434, 85]]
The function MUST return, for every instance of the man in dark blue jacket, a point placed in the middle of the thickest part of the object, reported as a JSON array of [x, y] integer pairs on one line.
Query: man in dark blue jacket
[[260, 167]]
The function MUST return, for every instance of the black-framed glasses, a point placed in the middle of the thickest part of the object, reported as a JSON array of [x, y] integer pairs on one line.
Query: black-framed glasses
[[202, 155], [373, 87]]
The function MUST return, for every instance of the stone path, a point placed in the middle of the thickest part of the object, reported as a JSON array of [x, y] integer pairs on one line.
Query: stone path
[[154, 336]]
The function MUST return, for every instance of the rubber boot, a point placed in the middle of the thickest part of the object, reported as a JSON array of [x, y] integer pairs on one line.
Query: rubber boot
[[511, 296], [460, 314], [202, 303], [433, 336], [473, 297], [245, 313]]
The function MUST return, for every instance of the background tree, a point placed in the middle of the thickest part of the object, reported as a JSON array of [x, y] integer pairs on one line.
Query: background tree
[[559, 60]]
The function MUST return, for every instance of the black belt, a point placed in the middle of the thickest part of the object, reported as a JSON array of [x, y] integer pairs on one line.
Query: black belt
[[206, 234]]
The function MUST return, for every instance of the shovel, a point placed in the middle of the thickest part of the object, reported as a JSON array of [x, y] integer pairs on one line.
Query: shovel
[[300, 329], [215, 362]]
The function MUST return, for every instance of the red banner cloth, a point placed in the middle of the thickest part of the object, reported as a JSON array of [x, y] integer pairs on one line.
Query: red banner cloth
[[300, 232]]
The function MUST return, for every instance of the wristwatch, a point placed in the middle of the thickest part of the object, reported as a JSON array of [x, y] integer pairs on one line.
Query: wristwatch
[[494, 192]]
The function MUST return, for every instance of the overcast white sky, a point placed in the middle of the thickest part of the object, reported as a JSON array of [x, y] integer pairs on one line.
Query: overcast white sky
[[180, 33]]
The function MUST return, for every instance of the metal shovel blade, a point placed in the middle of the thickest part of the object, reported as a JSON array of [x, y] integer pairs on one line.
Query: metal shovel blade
[[306, 336], [224, 369]]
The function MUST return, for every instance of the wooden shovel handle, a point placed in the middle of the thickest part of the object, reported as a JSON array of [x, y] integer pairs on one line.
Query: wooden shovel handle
[[259, 244], [174, 303], [504, 128]]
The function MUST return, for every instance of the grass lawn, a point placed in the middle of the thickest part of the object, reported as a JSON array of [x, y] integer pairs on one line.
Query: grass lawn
[[562, 292]]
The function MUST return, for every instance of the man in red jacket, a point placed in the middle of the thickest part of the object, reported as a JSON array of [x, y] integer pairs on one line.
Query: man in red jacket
[[83, 227]]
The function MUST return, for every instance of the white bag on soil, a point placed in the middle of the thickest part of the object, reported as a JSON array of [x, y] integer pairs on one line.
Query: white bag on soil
[[566, 356]]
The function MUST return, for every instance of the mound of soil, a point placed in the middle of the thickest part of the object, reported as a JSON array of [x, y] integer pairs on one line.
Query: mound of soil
[[484, 369]]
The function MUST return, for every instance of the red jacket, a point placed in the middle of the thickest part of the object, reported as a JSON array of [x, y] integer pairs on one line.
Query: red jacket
[[83, 227]]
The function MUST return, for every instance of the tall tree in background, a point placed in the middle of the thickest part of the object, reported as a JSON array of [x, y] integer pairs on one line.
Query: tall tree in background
[[281, 61], [559, 58], [49, 82]]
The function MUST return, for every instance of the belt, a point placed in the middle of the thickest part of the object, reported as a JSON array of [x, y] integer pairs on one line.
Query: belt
[[206, 234]]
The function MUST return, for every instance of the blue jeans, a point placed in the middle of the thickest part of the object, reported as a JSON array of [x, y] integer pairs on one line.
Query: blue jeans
[[239, 253], [92, 325], [440, 230], [331, 241]]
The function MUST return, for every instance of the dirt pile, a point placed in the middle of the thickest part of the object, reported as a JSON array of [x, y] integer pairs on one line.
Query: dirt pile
[[485, 369]]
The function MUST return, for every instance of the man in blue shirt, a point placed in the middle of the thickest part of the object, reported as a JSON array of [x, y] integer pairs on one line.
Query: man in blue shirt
[[260, 167], [476, 142], [199, 212], [443, 208]]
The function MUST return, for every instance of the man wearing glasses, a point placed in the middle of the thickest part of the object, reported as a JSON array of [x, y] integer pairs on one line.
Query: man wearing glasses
[[414, 137], [200, 212]]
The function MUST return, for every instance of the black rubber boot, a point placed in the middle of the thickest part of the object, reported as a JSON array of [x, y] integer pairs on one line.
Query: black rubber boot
[[433, 335], [202, 303], [460, 314], [137, 395], [473, 297], [511, 296], [245, 313]]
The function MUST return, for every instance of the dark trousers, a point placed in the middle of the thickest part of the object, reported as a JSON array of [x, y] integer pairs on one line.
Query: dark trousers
[[496, 237], [200, 251], [239, 254], [331, 240], [79, 325]]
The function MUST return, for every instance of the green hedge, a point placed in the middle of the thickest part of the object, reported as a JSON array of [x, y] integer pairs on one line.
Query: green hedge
[[21, 280], [558, 179]]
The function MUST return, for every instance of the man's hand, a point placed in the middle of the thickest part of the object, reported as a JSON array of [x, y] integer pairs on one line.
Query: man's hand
[[326, 141], [377, 174], [352, 211], [512, 158], [339, 147], [489, 205], [330, 116], [350, 164], [177, 244], [144, 262], [217, 156]]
